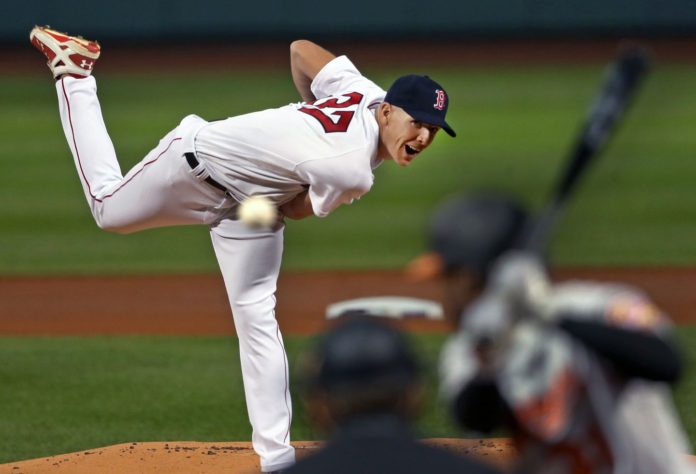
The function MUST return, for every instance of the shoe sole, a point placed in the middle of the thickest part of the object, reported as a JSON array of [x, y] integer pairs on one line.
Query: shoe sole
[[43, 37]]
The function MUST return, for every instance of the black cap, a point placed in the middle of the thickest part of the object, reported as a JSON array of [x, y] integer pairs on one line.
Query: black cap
[[422, 98], [364, 351]]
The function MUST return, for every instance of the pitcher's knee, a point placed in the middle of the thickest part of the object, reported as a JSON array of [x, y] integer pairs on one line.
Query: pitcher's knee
[[252, 316]]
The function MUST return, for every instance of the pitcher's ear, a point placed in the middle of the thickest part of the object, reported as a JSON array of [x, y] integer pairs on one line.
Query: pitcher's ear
[[384, 111]]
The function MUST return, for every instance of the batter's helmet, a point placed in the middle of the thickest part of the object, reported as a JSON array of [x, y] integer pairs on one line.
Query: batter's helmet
[[471, 231]]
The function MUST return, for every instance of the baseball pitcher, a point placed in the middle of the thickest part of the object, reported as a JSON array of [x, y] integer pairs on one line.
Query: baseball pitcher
[[307, 158]]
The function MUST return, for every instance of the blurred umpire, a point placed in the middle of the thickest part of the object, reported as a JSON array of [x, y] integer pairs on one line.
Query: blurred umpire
[[364, 388]]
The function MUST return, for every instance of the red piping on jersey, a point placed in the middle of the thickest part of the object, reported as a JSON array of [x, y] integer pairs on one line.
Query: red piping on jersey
[[79, 159], [374, 103]]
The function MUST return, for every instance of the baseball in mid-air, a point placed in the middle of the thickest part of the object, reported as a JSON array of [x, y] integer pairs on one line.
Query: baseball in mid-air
[[258, 212]]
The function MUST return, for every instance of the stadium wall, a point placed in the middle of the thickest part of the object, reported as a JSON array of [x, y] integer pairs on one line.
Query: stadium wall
[[204, 20]]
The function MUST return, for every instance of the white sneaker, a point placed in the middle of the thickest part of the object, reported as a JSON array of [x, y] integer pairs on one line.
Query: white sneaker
[[67, 55]]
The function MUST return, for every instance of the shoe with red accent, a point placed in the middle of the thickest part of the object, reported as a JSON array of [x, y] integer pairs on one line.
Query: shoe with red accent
[[67, 55]]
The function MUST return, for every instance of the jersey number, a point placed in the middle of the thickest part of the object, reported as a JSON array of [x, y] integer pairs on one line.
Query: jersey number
[[344, 116]]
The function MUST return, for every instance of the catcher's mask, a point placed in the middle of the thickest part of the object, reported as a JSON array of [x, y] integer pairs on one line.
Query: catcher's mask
[[471, 231]]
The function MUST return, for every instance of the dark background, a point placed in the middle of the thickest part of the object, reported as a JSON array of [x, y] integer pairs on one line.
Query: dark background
[[210, 20]]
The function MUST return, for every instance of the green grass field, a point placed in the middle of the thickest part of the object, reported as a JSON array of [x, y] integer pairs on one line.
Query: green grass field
[[515, 125], [68, 394]]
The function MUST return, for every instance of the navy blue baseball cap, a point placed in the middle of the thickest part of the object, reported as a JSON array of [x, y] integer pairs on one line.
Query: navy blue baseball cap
[[422, 98]]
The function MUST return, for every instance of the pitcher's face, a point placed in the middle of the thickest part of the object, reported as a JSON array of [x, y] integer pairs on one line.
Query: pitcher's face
[[402, 137]]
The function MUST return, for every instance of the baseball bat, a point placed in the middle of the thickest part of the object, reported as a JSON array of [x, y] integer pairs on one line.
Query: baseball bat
[[623, 77], [518, 279]]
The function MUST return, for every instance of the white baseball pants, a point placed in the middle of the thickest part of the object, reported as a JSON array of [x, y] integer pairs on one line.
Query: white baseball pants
[[163, 190]]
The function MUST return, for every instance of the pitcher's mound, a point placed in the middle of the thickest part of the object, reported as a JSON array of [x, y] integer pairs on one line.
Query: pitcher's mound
[[184, 457]]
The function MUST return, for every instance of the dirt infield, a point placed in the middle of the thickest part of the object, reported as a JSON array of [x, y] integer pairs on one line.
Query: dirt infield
[[207, 458], [183, 457], [197, 304]]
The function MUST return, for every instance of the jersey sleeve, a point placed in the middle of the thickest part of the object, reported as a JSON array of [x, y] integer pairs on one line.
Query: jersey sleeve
[[340, 75], [331, 184], [325, 198]]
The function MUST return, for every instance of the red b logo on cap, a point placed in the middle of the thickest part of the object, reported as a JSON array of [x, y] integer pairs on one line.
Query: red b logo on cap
[[441, 97]]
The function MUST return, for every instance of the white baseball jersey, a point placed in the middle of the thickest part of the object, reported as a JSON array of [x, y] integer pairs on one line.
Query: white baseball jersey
[[328, 145]]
